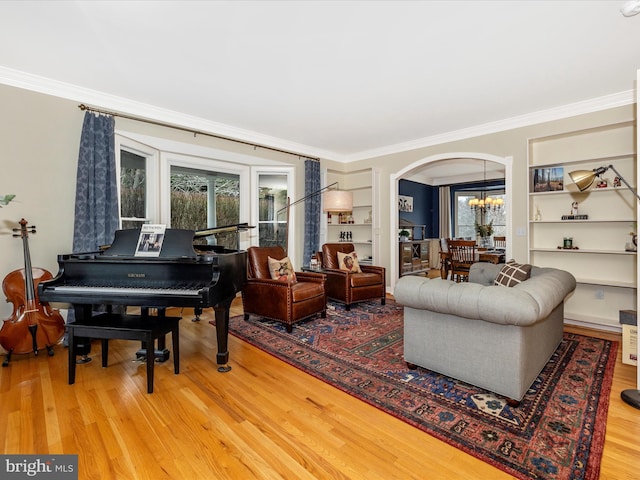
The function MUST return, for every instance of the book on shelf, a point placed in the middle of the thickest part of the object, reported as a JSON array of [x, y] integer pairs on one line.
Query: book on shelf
[[575, 217]]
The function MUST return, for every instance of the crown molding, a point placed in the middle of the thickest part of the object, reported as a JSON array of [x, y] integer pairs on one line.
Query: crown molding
[[558, 113], [101, 100], [144, 111]]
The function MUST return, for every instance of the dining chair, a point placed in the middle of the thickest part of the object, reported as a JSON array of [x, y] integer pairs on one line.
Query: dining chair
[[463, 255], [445, 258], [499, 242]]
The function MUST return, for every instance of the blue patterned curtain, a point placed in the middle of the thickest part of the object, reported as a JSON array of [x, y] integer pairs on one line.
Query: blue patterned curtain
[[96, 209], [311, 209]]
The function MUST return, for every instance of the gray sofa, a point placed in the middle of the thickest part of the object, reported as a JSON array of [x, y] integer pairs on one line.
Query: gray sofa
[[498, 338]]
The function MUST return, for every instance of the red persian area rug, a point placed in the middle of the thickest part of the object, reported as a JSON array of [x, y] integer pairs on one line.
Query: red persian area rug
[[557, 431]]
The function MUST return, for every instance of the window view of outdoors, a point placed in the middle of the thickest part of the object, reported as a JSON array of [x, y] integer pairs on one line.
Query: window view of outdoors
[[202, 199], [272, 198], [466, 218], [132, 190]]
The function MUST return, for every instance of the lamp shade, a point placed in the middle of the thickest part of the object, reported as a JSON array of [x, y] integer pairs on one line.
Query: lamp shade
[[338, 201], [583, 178]]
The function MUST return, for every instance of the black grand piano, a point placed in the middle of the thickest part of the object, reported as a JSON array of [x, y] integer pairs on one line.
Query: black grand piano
[[182, 275]]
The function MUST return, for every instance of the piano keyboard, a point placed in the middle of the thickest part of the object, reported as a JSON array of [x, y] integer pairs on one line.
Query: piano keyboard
[[127, 290]]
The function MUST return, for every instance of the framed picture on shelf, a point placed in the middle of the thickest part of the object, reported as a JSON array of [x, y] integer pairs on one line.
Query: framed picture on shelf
[[405, 203], [547, 179]]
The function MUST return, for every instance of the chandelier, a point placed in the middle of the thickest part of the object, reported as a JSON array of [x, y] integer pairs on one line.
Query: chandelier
[[485, 203]]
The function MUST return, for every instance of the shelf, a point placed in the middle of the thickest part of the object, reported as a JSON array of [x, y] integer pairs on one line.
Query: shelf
[[586, 192], [604, 160], [345, 225], [570, 222], [582, 250], [605, 283]]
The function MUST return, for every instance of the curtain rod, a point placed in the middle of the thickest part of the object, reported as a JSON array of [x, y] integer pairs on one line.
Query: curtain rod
[[84, 107]]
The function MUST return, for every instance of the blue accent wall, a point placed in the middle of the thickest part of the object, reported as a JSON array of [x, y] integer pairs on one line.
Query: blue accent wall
[[426, 207]]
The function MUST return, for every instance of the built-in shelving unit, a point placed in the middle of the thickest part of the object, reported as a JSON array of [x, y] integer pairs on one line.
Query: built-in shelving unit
[[364, 231], [604, 269]]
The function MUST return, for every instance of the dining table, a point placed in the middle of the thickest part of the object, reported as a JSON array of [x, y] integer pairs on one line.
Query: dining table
[[491, 256]]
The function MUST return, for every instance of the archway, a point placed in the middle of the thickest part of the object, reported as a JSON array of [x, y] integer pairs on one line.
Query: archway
[[507, 162]]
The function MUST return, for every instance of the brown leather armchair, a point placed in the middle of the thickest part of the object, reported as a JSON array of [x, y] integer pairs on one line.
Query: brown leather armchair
[[280, 300], [349, 287]]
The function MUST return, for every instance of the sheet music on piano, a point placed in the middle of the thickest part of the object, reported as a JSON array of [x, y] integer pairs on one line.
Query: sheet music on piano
[[150, 240]]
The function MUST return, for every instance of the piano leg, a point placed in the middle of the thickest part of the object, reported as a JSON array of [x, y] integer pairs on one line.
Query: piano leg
[[222, 334], [197, 312], [81, 345]]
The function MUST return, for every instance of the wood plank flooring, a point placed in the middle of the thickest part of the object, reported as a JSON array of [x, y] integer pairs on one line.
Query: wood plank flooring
[[263, 420]]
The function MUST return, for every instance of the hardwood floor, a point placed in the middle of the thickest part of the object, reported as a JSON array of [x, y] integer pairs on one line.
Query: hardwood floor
[[264, 420]]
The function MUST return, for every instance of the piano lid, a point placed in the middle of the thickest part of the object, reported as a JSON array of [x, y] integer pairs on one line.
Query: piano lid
[[236, 227]]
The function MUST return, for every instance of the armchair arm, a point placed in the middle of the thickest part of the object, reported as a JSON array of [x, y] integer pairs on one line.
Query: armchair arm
[[311, 277], [373, 269]]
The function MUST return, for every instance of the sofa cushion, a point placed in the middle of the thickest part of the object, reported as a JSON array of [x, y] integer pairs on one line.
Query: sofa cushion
[[349, 262], [512, 274], [282, 269]]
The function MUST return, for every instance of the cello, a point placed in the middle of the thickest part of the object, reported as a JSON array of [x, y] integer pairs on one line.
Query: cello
[[32, 325]]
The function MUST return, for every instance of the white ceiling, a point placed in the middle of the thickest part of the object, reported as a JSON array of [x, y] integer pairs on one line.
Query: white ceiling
[[342, 80]]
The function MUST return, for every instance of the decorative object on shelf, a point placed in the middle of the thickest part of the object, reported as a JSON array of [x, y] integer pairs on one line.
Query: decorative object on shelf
[[346, 237], [574, 209], [485, 203], [567, 242], [574, 217], [538, 216], [604, 183], [405, 203], [617, 182], [632, 246], [369, 219], [404, 235], [560, 247], [548, 179]]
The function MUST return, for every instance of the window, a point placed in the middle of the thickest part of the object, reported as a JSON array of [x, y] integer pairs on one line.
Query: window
[[272, 197], [137, 166], [201, 199], [466, 218], [181, 191]]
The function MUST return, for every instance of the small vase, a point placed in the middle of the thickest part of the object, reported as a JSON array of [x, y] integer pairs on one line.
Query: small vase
[[485, 242]]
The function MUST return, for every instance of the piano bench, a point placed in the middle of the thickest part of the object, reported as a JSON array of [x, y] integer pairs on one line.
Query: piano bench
[[125, 327]]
